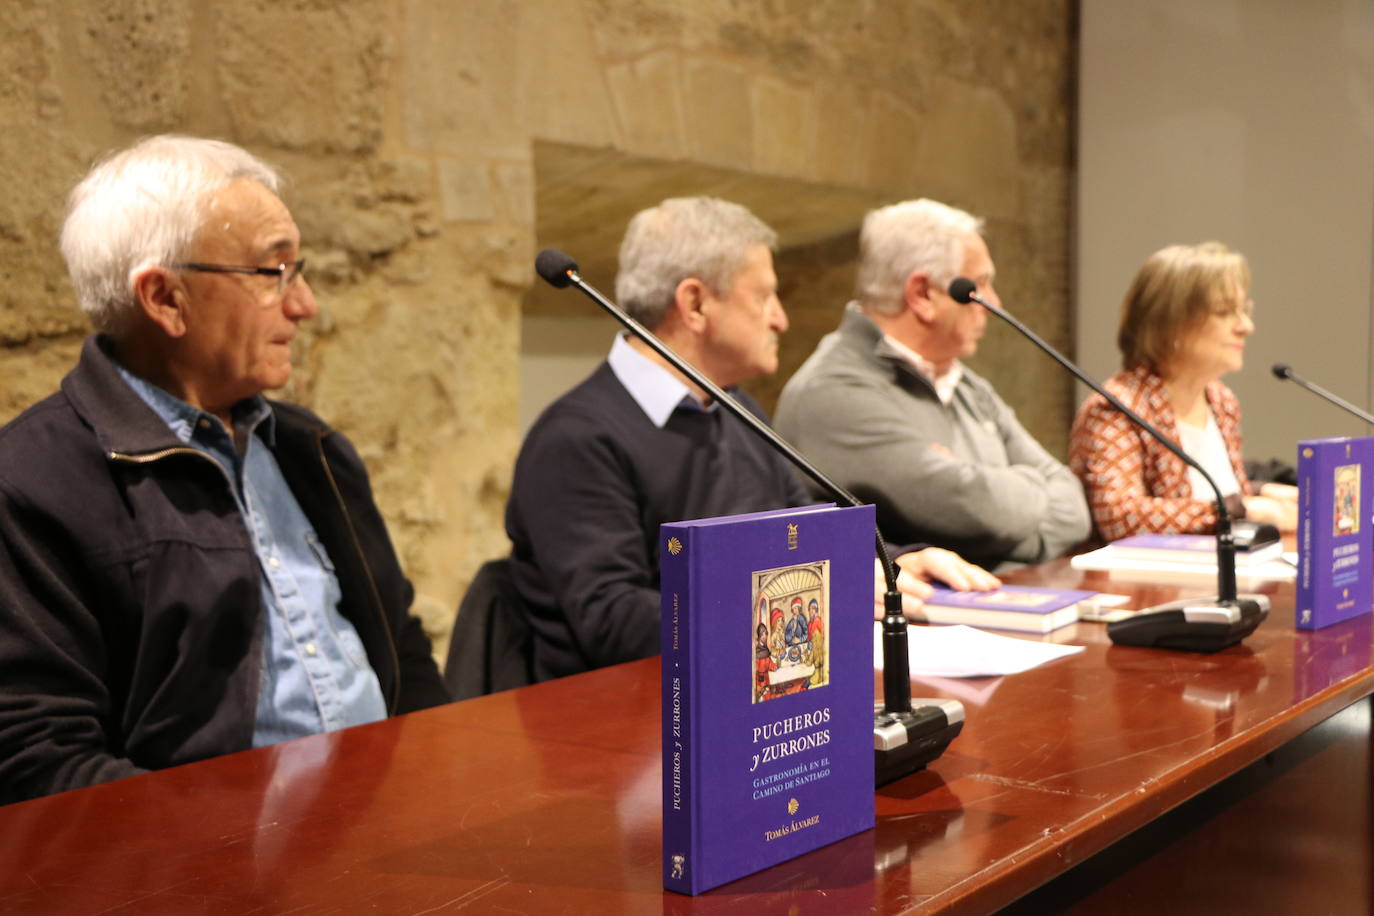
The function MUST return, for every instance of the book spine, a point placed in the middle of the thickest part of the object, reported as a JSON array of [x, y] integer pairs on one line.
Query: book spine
[[1364, 508], [677, 561], [1308, 460]]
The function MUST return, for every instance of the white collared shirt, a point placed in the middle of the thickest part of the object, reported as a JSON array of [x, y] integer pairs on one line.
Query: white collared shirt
[[944, 385], [656, 390]]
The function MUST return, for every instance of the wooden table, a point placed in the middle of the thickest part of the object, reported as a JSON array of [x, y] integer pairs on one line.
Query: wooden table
[[546, 799]]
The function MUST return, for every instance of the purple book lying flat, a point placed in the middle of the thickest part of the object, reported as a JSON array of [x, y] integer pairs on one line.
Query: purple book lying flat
[[1335, 541], [1027, 608], [1189, 548], [767, 689]]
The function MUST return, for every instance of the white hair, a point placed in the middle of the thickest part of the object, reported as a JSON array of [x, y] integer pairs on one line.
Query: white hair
[[702, 237], [897, 240], [144, 206]]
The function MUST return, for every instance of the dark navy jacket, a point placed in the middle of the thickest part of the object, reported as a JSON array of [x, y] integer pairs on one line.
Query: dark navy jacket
[[131, 622]]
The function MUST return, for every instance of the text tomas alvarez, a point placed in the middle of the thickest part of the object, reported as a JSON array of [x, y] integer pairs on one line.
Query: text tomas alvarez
[[788, 829], [778, 749]]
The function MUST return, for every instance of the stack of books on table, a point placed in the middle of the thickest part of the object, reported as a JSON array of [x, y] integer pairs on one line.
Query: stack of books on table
[[1026, 608], [1184, 559]]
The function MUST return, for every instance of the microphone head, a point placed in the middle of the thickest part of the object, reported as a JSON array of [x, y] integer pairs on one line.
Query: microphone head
[[553, 265], [961, 289], [1282, 372]]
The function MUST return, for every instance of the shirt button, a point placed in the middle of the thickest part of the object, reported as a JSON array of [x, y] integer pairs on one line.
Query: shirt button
[[310, 649], [273, 562]]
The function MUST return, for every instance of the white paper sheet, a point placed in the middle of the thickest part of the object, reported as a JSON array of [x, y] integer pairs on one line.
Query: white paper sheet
[[961, 651]]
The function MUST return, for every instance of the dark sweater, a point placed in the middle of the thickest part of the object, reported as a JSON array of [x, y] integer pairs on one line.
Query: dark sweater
[[594, 480]]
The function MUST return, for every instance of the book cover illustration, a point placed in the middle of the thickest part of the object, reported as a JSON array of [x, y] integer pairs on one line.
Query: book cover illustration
[[1335, 545], [790, 645], [767, 689], [1347, 500]]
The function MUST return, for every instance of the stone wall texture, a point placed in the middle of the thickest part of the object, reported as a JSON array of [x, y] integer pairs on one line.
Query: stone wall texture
[[432, 146]]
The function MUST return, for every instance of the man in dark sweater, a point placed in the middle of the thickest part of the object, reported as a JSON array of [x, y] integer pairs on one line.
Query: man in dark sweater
[[636, 444]]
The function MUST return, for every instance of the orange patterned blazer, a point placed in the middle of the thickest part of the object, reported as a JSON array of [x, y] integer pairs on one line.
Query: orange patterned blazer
[[1135, 485]]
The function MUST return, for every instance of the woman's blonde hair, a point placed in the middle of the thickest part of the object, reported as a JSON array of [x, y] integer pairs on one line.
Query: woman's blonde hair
[[1174, 292]]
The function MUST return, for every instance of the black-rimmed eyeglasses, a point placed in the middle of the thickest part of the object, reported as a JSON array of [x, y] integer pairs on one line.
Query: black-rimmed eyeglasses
[[286, 274]]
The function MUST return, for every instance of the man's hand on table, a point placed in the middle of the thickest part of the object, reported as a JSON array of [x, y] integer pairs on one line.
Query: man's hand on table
[[918, 568]]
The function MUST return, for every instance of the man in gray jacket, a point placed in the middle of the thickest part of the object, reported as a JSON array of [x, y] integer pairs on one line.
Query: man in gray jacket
[[886, 407]]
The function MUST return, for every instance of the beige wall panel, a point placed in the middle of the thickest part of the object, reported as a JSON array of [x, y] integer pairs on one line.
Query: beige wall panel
[[720, 115], [1251, 123]]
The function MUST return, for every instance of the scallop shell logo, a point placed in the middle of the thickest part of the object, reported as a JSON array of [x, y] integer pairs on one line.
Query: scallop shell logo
[[674, 546], [792, 806]]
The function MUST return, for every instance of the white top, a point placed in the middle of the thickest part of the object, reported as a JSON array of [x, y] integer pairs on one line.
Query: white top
[[1205, 445]]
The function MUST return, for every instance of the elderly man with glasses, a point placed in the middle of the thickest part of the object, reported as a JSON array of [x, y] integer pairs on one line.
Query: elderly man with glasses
[[186, 568]]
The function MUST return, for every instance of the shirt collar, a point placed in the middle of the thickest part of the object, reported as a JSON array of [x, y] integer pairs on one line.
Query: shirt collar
[[944, 385], [184, 420], [657, 391]]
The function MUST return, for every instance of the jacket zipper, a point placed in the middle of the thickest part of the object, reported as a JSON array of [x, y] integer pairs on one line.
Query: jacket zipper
[[163, 453], [150, 457]]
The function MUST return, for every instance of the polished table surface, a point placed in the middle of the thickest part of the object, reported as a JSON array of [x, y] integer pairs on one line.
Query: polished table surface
[[546, 799]]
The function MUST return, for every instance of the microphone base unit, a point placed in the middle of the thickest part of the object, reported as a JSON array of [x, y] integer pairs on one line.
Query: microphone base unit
[[904, 742], [1192, 624], [1251, 535]]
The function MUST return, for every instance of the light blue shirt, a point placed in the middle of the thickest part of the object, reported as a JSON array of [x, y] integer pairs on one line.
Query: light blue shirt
[[656, 390], [315, 672]]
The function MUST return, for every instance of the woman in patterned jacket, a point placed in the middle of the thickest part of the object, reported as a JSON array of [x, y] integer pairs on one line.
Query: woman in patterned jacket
[[1184, 324]]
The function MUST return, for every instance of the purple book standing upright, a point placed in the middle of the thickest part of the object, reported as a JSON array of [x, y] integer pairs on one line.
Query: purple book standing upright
[[767, 689], [1335, 538]]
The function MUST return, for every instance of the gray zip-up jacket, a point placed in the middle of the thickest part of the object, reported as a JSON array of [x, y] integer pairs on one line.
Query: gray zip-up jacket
[[866, 417]]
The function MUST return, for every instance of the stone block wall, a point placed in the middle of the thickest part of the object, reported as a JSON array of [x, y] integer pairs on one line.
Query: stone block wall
[[410, 128]]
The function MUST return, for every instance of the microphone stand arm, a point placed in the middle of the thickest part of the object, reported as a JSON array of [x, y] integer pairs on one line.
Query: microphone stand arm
[[1321, 392], [1226, 545]]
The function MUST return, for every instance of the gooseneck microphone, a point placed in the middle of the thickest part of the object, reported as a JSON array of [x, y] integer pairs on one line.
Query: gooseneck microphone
[[905, 738], [1285, 374], [557, 269], [1197, 626]]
